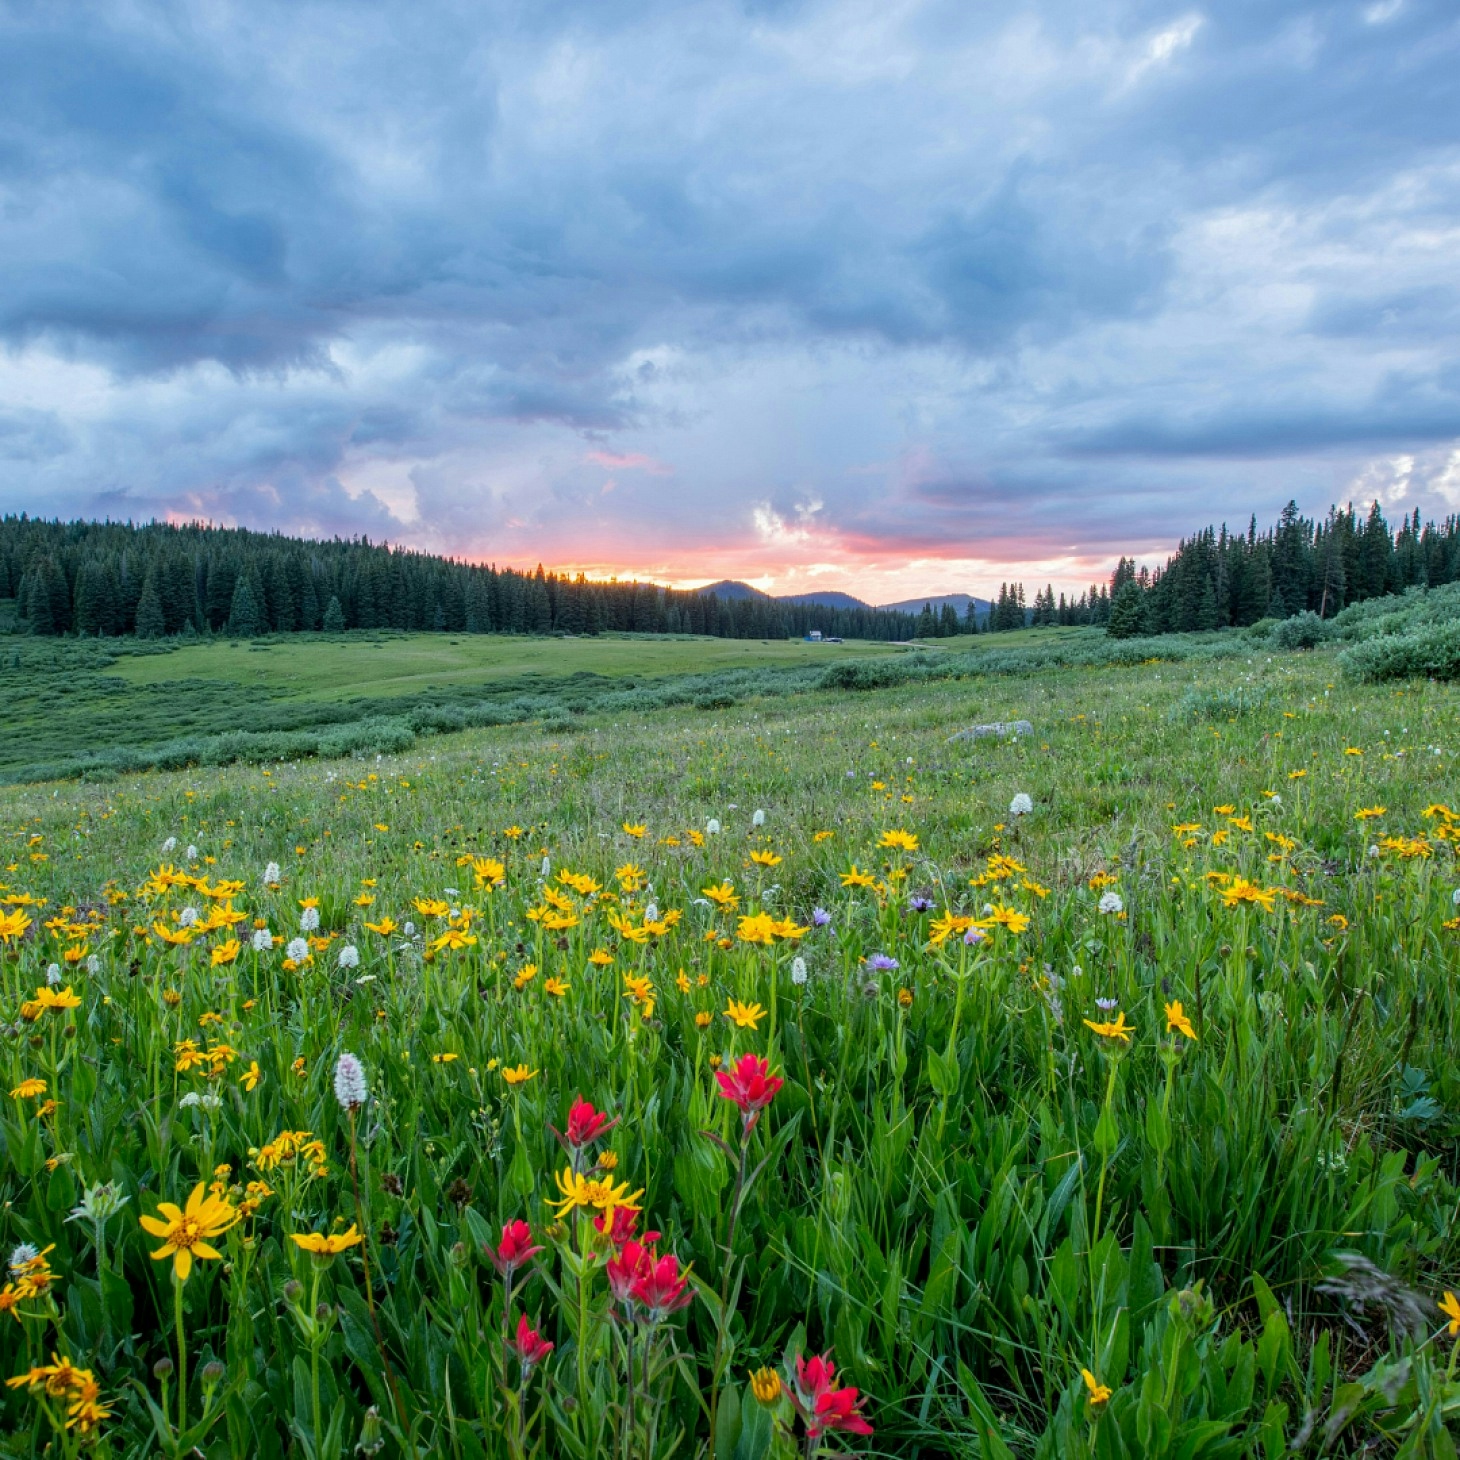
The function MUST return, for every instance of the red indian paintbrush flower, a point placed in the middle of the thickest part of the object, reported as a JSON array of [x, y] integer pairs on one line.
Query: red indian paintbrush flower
[[624, 1270], [516, 1248], [621, 1228], [750, 1085], [529, 1345], [585, 1124], [823, 1407], [661, 1287]]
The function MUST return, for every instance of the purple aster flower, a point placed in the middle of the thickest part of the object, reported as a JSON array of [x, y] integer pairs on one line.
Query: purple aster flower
[[920, 904], [974, 936], [881, 963], [1107, 1006], [820, 916]]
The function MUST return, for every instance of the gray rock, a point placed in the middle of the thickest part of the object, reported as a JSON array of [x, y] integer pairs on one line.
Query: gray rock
[[1000, 730]]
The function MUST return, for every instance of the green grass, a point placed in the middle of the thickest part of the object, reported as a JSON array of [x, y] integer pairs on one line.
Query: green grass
[[97, 706], [351, 666], [970, 1196]]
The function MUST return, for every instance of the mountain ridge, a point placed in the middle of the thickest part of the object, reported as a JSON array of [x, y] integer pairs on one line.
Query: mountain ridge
[[733, 588]]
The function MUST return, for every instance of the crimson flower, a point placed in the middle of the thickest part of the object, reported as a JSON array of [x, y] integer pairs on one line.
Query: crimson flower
[[585, 1124], [624, 1270], [516, 1248], [661, 1287], [621, 1228], [823, 1407], [529, 1345], [750, 1084]]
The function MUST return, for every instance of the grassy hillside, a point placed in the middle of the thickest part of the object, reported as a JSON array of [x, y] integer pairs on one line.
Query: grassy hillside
[[73, 705], [1154, 1082], [347, 666]]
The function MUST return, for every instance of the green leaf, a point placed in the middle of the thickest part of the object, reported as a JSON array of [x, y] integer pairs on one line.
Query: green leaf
[[1158, 1128], [727, 1422]]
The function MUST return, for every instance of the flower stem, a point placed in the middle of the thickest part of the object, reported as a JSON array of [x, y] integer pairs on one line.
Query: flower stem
[[182, 1354]]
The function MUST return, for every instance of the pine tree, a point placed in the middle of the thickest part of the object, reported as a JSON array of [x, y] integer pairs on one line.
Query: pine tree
[[1127, 612], [334, 617], [150, 621], [245, 621]]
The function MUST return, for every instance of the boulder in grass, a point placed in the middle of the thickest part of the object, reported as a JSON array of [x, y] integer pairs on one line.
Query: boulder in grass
[[999, 730]]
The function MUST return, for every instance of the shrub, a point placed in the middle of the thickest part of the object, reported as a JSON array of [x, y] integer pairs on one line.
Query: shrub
[[1432, 652], [1303, 631]]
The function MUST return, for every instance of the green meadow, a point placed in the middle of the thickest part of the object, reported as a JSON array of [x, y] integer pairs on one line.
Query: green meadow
[[1117, 1121]]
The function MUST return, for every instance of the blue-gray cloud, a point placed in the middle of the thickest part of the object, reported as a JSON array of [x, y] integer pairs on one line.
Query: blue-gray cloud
[[980, 283]]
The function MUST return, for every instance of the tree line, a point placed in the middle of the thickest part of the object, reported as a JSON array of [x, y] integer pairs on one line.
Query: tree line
[[1219, 579], [157, 579]]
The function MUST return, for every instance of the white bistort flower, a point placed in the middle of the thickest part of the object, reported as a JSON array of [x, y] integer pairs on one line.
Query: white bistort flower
[[349, 1082], [23, 1253], [271, 874], [349, 956], [53, 974], [546, 870], [309, 920], [712, 827], [1021, 805], [263, 940], [1455, 897], [798, 971], [298, 949], [187, 917], [168, 845], [192, 853], [758, 819], [1110, 902]]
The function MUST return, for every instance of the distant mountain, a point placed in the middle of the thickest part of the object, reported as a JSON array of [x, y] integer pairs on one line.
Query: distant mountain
[[958, 600], [730, 588], [827, 600]]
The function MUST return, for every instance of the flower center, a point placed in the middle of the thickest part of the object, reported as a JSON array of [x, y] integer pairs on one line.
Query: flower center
[[188, 1233]]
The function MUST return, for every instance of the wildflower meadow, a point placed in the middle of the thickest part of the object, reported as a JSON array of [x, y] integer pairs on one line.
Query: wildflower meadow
[[787, 1079]]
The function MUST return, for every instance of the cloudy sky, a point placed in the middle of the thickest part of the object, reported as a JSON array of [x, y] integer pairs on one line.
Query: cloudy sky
[[881, 295]]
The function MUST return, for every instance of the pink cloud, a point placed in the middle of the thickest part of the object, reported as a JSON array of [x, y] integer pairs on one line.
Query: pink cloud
[[629, 461]]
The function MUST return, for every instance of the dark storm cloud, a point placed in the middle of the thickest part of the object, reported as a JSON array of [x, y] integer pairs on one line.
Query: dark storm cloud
[[401, 269]]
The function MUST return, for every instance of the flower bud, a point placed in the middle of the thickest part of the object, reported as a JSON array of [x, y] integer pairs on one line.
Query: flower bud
[[162, 1369]]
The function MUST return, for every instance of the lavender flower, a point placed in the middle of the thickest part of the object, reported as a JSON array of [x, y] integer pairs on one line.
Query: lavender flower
[[350, 1088], [1107, 1006], [920, 904], [820, 917], [974, 936], [881, 963]]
